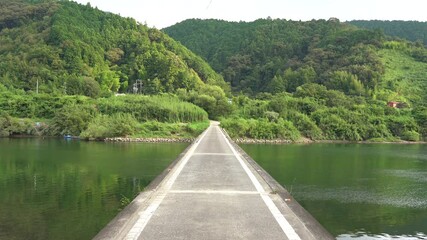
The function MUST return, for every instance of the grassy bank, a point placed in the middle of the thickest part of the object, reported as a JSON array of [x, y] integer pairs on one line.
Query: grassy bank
[[121, 116]]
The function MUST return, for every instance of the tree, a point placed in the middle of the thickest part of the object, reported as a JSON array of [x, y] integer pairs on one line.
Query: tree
[[345, 82]]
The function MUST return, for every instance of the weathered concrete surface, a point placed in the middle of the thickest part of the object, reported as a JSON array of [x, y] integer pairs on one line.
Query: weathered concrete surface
[[212, 192]]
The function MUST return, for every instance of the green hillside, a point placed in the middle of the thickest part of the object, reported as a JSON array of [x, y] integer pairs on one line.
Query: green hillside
[[318, 79], [279, 55], [404, 75], [410, 30], [75, 49], [53, 52]]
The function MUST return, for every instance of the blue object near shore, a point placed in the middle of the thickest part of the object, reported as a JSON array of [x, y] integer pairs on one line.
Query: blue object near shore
[[71, 137]]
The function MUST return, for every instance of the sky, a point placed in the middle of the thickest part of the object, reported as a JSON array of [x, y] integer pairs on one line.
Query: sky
[[164, 13]]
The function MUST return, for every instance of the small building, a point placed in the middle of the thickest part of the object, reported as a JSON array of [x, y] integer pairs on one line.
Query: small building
[[392, 104], [398, 104]]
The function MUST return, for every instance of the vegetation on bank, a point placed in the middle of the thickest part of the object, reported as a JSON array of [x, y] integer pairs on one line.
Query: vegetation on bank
[[134, 115], [317, 113]]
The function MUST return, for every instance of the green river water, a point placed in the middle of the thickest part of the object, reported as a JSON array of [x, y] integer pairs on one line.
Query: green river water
[[58, 189], [356, 191]]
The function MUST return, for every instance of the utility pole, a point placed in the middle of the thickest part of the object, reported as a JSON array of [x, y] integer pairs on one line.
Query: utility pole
[[137, 86], [37, 86]]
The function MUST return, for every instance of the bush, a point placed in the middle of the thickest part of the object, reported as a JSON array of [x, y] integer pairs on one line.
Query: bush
[[305, 125], [235, 127], [104, 126], [271, 116], [13, 126], [197, 128], [286, 130], [420, 115], [411, 136], [399, 125], [72, 119], [336, 128], [281, 103], [260, 129], [159, 129]]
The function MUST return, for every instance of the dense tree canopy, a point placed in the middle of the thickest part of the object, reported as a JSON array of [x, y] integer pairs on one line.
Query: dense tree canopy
[[410, 30], [276, 55], [70, 48], [279, 55]]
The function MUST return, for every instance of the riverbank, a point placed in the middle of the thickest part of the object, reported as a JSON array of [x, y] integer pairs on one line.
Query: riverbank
[[174, 139], [309, 141], [150, 140]]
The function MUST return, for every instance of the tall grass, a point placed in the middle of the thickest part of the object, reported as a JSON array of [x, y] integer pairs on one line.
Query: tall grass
[[161, 108]]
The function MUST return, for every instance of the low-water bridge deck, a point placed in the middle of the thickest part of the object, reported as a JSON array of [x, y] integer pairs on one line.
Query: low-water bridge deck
[[214, 191]]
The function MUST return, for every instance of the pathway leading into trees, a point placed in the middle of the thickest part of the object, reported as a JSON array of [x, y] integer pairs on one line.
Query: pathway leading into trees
[[214, 192]]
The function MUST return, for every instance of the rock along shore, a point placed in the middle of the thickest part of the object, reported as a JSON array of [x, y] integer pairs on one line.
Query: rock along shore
[[307, 141], [261, 141], [150, 140]]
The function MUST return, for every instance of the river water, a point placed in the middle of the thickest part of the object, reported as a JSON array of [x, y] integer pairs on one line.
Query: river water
[[58, 189], [356, 191]]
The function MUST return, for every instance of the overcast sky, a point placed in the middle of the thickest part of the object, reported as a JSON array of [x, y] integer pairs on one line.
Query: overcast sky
[[164, 13]]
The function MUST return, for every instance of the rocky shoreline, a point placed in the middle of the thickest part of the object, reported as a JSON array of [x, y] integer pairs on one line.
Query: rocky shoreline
[[150, 140], [236, 140], [307, 141], [261, 141]]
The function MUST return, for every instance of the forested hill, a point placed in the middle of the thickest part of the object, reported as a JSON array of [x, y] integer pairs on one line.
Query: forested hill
[[70, 48], [279, 55], [410, 30]]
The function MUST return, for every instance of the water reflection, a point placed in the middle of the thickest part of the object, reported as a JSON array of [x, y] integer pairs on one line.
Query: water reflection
[[55, 189], [363, 191]]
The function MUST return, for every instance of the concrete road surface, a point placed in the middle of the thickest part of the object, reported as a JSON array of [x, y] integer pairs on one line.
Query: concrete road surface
[[213, 192]]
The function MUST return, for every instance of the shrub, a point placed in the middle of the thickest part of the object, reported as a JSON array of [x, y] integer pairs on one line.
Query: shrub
[[260, 128], [235, 127], [197, 128], [286, 130], [411, 136], [336, 128], [72, 119], [398, 125], [271, 116], [14, 126], [159, 129], [104, 126], [305, 125]]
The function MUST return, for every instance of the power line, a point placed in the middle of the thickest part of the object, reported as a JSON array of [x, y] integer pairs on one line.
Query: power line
[[210, 2]]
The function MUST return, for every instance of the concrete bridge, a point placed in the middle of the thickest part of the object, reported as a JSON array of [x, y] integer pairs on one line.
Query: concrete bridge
[[214, 191]]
